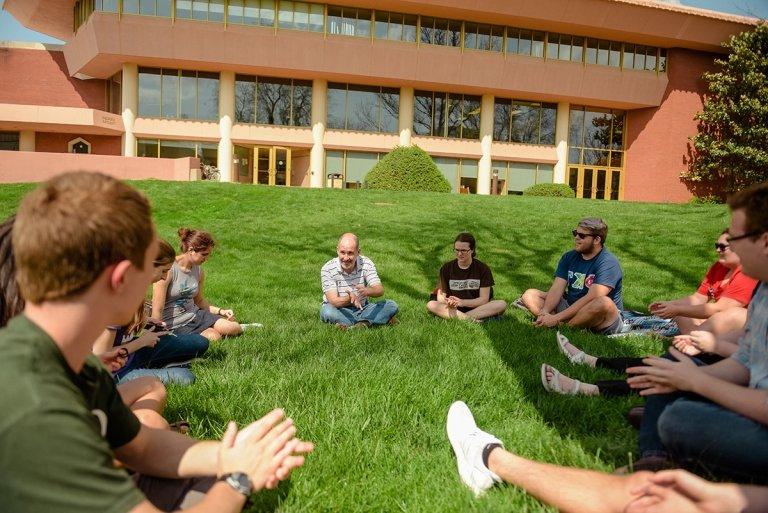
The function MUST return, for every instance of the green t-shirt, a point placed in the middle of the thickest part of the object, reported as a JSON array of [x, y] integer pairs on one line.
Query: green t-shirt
[[57, 429]]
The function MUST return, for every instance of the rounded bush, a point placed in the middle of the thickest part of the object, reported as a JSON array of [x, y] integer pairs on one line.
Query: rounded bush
[[407, 168], [559, 190]]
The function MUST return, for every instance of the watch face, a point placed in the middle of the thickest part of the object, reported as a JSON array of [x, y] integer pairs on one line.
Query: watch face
[[240, 482]]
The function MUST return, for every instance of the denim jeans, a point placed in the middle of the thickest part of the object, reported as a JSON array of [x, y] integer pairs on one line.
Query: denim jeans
[[700, 435], [169, 349], [375, 313], [170, 375]]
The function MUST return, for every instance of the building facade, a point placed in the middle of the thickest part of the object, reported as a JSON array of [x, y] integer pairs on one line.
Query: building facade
[[599, 94]]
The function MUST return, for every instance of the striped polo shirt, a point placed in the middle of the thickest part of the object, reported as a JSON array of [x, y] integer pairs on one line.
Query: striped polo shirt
[[333, 278]]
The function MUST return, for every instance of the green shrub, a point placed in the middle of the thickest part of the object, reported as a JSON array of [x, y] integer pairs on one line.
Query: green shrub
[[560, 190], [706, 200], [407, 168]]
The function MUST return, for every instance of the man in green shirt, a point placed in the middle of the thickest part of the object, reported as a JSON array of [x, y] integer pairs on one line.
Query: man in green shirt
[[84, 245]]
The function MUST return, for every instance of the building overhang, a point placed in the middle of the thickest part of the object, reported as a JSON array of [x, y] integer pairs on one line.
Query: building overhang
[[635, 21], [105, 42], [59, 119]]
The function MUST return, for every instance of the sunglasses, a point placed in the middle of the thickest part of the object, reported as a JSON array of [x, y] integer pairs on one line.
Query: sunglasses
[[721, 247], [752, 233], [581, 236]]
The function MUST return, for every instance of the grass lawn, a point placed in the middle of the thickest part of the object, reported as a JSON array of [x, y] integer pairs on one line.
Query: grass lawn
[[374, 401]]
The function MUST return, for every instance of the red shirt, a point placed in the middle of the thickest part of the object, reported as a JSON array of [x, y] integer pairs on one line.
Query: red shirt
[[739, 288]]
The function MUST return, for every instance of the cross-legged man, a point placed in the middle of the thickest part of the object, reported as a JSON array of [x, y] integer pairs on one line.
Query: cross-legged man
[[586, 291], [348, 281], [84, 247]]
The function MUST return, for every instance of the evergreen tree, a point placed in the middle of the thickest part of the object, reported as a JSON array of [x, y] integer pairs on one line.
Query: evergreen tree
[[731, 148]]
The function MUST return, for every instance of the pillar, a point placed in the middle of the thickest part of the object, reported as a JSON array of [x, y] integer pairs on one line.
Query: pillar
[[27, 140], [130, 101], [486, 139], [317, 154], [405, 115], [226, 119], [561, 142]]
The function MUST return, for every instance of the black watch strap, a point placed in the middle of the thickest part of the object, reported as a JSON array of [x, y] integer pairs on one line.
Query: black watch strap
[[240, 482]]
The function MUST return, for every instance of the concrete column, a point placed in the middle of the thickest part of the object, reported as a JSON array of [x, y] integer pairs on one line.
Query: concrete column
[[405, 117], [226, 119], [130, 100], [27, 140], [486, 140], [561, 141], [317, 154]]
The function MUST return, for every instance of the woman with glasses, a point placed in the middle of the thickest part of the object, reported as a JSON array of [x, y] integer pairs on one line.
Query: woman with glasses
[[465, 289], [178, 298]]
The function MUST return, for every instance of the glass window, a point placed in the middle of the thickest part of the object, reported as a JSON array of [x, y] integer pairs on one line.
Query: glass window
[[216, 10], [591, 55], [629, 56], [106, 5], [235, 11], [470, 36], [363, 27], [302, 103], [348, 21], [147, 148], [513, 36], [650, 59], [617, 138], [207, 95], [273, 101], [245, 99], [597, 128], [441, 115], [200, 9], [525, 122], [316, 15], [440, 31], [614, 57], [409, 27], [576, 127], [547, 124], [639, 57], [9, 141], [427, 31], [662, 59], [577, 49], [449, 168], [454, 115], [149, 92], [395, 30], [471, 114], [357, 166], [188, 95], [565, 48], [285, 15], [524, 47], [422, 112], [381, 25], [337, 104], [497, 38], [251, 12], [537, 44], [362, 108], [390, 109], [183, 8], [553, 44], [170, 108], [484, 37], [501, 118], [177, 149], [130, 6], [147, 7], [602, 53], [545, 173], [521, 176]]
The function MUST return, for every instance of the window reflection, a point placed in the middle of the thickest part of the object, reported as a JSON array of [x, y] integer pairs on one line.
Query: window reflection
[[446, 115], [363, 108], [524, 122], [185, 94], [273, 101], [596, 137]]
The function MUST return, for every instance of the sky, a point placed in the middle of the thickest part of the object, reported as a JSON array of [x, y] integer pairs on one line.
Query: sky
[[11, 30]]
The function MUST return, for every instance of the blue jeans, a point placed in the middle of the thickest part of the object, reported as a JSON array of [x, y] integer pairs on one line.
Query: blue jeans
[[375, 313], [169, 349], [700, 435], [170, 375]]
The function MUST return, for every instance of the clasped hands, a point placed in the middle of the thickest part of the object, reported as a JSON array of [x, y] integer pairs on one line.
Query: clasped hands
[[546, 320], [267, 450], [662, 376]]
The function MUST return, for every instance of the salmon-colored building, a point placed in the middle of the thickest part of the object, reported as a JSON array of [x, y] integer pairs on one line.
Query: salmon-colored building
[[599, 94]]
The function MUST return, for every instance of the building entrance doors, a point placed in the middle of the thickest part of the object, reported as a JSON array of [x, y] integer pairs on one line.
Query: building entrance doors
[[596, 182], [272, 165]]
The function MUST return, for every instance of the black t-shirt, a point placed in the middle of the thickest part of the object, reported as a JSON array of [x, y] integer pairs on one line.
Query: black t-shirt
[[465, 283]]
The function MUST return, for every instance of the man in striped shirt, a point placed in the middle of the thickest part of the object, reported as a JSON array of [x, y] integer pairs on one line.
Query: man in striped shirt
[[348, 281]]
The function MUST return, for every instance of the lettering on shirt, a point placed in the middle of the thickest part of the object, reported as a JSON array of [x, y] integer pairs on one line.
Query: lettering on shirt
[[471, 284], [580, 280]]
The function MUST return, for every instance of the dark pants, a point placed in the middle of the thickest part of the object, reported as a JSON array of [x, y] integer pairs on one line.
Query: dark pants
[[619, 387], [702, 436], [173, 494], [169, 349]]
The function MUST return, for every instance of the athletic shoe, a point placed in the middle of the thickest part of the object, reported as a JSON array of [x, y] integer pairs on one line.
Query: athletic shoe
[[468, 442], [251, 325]]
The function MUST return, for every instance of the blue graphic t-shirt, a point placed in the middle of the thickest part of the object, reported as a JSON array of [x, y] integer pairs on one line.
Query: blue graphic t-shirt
[[603, 269]]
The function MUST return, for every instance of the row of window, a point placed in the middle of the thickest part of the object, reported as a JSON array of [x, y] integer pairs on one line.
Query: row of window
[[273, 101], [182, 94], [207, 152], [351, 21], [596, 136]]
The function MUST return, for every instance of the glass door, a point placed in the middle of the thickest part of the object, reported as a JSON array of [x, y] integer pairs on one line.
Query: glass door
[[281, 166], [261, 171], [596, 183]]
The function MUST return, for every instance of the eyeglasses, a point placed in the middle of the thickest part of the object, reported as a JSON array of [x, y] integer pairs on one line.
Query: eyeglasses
[[462, 251], [732, 238], [722, 247], [580, 235]]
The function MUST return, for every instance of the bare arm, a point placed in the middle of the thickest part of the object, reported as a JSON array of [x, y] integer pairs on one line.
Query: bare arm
[[374, 290], [339, 301], [595, 291], [554, 294], [159, 293], [485, 296], [706, 310], [104, 342]]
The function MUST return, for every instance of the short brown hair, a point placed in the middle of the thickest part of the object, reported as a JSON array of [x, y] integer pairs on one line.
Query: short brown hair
[[196, 240], [468, 238], [165, 253], [596, 227], [74, 226], [754, 201]]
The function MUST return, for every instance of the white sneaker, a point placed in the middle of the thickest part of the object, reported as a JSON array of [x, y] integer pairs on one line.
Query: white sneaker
[[468, 442], [251, 325]]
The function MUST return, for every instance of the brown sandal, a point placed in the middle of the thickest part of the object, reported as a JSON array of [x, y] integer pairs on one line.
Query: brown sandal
[[181, 427]]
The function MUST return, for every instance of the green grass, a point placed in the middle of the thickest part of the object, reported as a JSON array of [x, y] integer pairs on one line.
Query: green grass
[[374, 401]]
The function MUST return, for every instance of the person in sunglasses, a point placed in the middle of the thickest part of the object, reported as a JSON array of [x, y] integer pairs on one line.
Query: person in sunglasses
[[586, 291], [719, 304]]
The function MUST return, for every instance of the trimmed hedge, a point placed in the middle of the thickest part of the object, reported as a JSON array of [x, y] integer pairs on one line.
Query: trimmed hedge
[[407, 168], [559, 190]]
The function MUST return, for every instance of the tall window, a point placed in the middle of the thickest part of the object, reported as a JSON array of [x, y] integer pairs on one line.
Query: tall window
[[396, 27], [349, 21], [596, 136], [273, 101], [524, 122], [114, 93], [363, 108], [446, 115], [9, 141], [171, 93], [437, 31]]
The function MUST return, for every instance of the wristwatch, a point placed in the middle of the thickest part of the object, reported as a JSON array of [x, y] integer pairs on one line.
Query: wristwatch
[[240, 482]]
